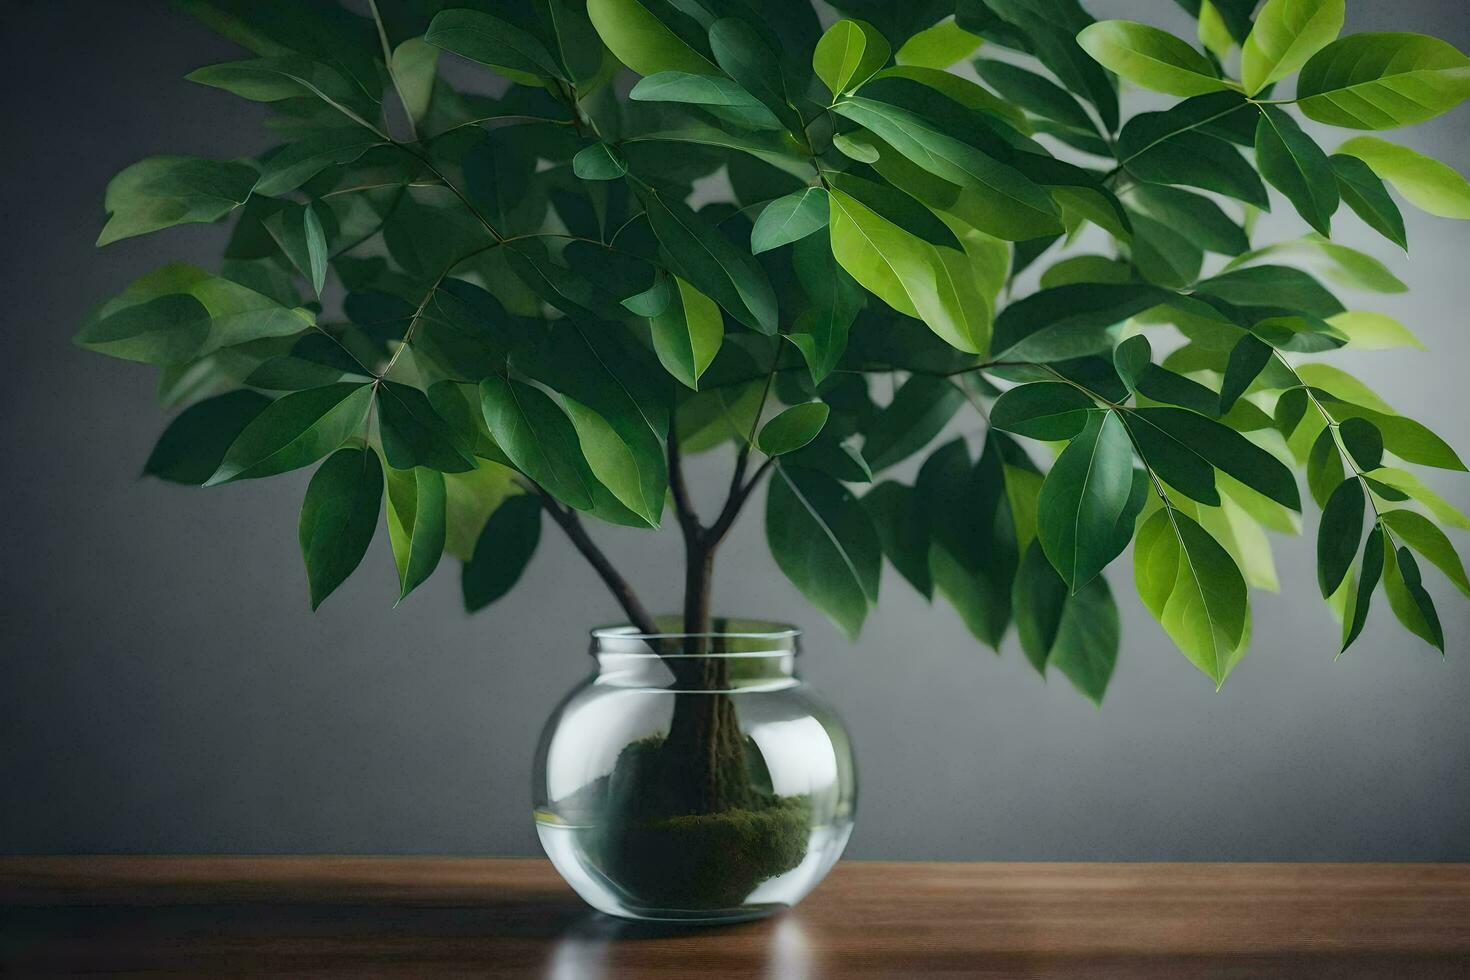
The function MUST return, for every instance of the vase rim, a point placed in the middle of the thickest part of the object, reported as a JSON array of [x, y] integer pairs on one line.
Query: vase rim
[[742, 629]]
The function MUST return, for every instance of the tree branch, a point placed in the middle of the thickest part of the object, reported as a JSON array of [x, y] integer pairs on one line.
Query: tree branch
[[683, 505], [637, 613]]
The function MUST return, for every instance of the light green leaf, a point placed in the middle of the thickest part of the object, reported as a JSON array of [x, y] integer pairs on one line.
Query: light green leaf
[[503, 551], [641, 41], [415, 63], [338, 518], [1213, 32], [539, 439], [1428, 184], [790, 219], [295, 431], [793, 428], [687, 334], [915, 278], [1408, 599], [1410, 484], [1373, 331], [416, 524], [1286, 34], [1192, 587], [939, 46], [160, 192], [493, 42], [469, 499], [824, 543], [1147, 56], [1089, 501], [848, 54], [1382, 81]]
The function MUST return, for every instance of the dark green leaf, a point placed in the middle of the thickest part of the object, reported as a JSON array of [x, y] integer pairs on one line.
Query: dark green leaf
[[502, 552], [166, 330], [1068, 321], [1363, 442], [719, 95], [338, 518], [700, 254], [1293, 163], [191, 448], [600, 161], [1131, 358], [1408, 598], [824, 543], [1273, 286], [1090, 501], [415, 435], [1420, 533], [1177, 147], [1324, 467], [1193, 216], [903, 532], [1370, 571], [1047, 410], [820, 331], [1364, 192], [1339, 533], [896, 207], [538, 437], [295, 431], [160, 192], [1248, 358], [491, 41], [920, 409], [1219, 446], [1039, 599]]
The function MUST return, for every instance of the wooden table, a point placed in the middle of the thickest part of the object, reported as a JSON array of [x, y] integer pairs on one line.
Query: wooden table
[[368, 917]]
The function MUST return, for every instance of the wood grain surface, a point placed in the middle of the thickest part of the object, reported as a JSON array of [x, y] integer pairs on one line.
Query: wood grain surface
[[492, 918]]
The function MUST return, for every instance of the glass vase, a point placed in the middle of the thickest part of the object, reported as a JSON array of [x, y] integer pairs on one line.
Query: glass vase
[[694, 777]]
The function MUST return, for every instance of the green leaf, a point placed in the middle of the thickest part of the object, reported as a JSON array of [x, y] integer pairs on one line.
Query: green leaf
[[687, 334], [1193, 588], [1324, 467], [1248, 358], [503, 551], [1427, 184], [720, 95], [1086, 648], [414, 434], [1363, 442], [294, 164], [1037, 95], [1047, 410], [298, 231], [854, 148], [1149, 57], [1020, 208], [469, 499], [789, 219], [1363, 191], [1069, 321], [160, 192], [902, 531], [920, 410], [1405, 438], [1410, 484], [939, 46], [1382, 81], [746, 57], [638, 39], [1195, 217], [701, 254], [600, 161], [1131, 358], [1408, 599], [896, 207], [1221, 447], [191, 448], [820, 331], [848, 54], [416, 524], [1370, 571], [1419, 533], [1039, 598], [1090, 501], [1086, 268], [1293, 163], [1275, 287], [1050, 28], [415, 63], [1373, 331], [1181, 146], [824, 543], [338, 518], [1286, 34], [166, 330], [793, 428], [288, 76], [1339, 533], [915, 278], [538, 437], [295, 431], [493, 42]]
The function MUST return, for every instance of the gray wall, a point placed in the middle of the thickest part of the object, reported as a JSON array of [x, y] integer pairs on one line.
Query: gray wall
[[163, 686]]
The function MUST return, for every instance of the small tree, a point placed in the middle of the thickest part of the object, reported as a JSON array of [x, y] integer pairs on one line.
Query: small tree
[[512, 311]]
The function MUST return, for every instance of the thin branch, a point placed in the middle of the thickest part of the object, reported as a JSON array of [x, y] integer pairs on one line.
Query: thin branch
[[623, 592], [679, 488], [388, 64]]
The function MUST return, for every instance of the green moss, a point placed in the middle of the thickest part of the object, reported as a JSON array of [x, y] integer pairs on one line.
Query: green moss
[[669, 860]]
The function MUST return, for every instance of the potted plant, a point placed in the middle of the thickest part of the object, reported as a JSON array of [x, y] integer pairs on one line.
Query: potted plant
[[494, 309]]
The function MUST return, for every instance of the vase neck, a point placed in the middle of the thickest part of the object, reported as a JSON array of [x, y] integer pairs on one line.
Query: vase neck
[[744, 656]]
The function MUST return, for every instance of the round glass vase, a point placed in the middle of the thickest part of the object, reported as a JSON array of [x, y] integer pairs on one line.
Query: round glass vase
[[694, 777]]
